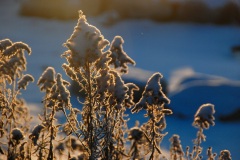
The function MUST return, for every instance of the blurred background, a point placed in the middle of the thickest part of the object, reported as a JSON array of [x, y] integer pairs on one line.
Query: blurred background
[[198, 11]]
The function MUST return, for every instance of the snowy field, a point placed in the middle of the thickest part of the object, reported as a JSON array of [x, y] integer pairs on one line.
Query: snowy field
[[195, 60]]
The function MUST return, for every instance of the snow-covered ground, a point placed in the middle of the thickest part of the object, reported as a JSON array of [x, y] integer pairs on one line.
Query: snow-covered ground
[[196, 61]]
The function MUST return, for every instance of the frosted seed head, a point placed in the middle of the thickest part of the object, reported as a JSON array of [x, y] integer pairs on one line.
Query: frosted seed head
[[18, 46], [103, 83], [8, 78], [176, 144], [119, 89], [13, 66], [153, 86], [17, 134], [175, 139], [153, 91], [103, 61], [35, 133], [5, 43], [119, 58], [225, 155], [142, 104], [23, 82], [47, 79], [69, 71], [152, 94], [131, 88], [209, 153], [135, 133], [64, 93], [204, 116], [85, 44], [48, 75]]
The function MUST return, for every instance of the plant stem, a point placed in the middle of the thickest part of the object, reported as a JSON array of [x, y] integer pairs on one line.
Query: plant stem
[[50, 153], [90, 112], [153, 133], [12, 115], [200, 132], [75, 132]]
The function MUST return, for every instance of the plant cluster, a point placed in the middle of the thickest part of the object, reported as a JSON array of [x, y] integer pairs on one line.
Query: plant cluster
[[98, 129]]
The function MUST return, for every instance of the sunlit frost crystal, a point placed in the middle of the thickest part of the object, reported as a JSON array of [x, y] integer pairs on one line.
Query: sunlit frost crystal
[[85, 44]]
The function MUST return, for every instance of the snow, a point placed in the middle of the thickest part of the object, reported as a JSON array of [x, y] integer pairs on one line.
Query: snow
[[190, 90], [85, 39], [195, 59]]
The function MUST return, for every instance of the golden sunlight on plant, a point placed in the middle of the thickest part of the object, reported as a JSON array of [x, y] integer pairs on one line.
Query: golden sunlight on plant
[[97, 127]]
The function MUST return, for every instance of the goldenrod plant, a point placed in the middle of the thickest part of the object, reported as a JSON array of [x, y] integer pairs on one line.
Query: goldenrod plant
[[202, 120], [14, 113], [96, 127], [153, 101]]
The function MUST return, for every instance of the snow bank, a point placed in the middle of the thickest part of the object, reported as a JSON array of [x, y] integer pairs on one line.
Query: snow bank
[[189, 90]]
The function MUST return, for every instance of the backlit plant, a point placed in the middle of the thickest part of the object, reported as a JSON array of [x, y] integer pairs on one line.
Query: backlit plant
[[96, 128]]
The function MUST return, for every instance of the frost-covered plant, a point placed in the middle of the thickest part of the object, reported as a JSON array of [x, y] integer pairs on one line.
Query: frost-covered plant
[[71, 147], [85, 44], [202, 120], [225, 155], [210, 154], [97, 128], [204, 116], [17, 136], [35, 133], [118, 57], [138, 138], [96, 70], [136, 135], [176, 151], [14, 113], [153, 101], [57, 97]]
